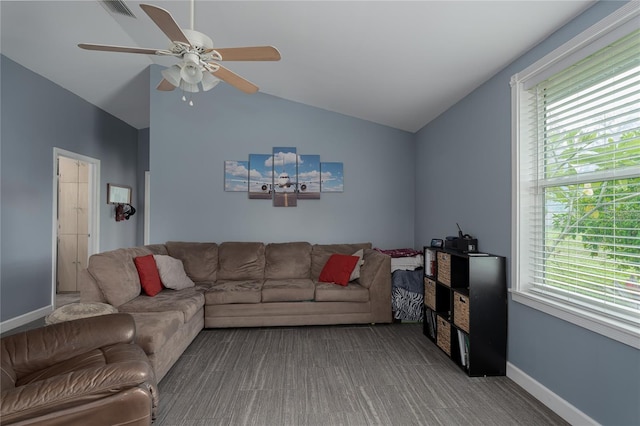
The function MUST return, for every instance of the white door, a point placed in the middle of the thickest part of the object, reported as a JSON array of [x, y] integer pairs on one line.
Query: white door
[[73, 220]]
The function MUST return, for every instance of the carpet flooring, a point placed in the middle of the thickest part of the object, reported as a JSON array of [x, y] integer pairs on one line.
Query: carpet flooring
[[334, 375]]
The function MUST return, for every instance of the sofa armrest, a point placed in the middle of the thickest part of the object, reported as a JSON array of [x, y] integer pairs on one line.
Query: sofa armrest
[[376, 275], [130, 369], [37, 349], [89, 288]]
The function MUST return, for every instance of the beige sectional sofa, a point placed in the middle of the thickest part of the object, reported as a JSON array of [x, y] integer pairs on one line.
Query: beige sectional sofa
[[237, 284]]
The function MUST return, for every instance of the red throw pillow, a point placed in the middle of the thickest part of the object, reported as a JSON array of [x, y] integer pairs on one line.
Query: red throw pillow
[[149, 276], [338, 269]]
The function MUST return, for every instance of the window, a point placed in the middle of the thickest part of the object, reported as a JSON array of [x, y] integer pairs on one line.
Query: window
[[576, 129]]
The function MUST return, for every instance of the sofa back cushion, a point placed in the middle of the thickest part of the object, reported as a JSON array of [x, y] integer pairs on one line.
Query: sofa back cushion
[[241, 261], [200, 260], [157, 248], [320, 254], [116, 273], [288, 260]]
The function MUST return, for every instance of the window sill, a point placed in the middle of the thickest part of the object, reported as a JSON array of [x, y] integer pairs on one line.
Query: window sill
[[607, 327]]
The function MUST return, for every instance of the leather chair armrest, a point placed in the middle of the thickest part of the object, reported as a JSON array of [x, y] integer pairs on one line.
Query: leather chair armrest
[[37, 349], [80, 387]]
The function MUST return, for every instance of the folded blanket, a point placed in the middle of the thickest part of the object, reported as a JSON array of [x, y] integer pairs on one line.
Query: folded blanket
[[407, 263], [403, 252], [408, 280]]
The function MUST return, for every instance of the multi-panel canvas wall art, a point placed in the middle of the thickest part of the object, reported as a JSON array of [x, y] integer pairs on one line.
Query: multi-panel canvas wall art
[[332, 177], [236, 176], [283, 176], [309, 177], [260, 176]]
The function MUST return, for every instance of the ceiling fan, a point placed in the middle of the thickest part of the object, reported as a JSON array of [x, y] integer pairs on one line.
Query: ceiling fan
[[199, 67]]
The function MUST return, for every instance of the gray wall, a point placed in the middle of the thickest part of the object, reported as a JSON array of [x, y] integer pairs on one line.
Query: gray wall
[[37, 116], [464, 174], [188, 147]]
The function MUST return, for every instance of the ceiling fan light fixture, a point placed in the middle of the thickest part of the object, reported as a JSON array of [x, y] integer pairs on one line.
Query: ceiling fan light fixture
[[209, 81], [191, 71], [188, 87], [172, 75], [191, 74]]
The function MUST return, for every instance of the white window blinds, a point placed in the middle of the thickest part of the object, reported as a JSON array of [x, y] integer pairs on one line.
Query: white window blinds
[[584, 166]]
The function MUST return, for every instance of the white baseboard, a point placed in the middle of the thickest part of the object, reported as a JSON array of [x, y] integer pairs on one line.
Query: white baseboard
[[25, 318], [561, 407]]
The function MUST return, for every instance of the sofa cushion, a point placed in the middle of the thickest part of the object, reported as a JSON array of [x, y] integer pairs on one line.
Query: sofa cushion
[[243, 291], [288, 260], [241, 261], [172, 272], [148, 273], [154, 329], [157, 248], [200, 260], [187, 301], [355, 274], [320, 253], [288, 290], [116, 274], [352, 292], [338, 269]]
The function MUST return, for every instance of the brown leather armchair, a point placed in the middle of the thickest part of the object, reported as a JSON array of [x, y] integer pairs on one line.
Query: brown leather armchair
[[82, 372]]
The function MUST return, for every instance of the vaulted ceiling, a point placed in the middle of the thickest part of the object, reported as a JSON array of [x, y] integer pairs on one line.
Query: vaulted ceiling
[[397, 63]]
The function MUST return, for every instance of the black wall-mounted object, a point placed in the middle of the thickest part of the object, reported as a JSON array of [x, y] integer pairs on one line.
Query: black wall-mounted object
[[124, 212]]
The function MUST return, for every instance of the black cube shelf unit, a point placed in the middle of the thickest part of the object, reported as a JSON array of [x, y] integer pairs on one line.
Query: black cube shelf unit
[[465, 314]]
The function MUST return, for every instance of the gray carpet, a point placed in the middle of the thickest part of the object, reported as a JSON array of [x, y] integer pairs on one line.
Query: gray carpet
[[338, 375]]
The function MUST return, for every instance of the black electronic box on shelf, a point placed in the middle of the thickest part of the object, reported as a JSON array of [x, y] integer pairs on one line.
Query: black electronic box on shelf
[[468, 245], [463, 242]]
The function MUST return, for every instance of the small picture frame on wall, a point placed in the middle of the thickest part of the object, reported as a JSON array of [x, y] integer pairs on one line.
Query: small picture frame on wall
[[118, 194]]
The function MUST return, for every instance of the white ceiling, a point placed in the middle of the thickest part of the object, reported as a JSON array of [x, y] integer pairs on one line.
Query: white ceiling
[[396, 63]]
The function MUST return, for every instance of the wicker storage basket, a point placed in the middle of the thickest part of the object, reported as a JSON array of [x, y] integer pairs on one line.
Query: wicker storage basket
[[430, 293], [443, 339], [444, 268], [461, 311]]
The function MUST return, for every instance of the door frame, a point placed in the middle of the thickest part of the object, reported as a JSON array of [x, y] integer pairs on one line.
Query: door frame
[[93, 214], [147, 210]]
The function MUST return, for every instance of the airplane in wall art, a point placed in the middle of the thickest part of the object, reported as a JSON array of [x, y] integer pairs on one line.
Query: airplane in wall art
[[302, 177]]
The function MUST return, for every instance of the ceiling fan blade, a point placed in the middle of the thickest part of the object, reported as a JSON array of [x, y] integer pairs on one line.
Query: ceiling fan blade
[[254, 53], [235, 80], [166, 23], [165, 86], [109, 48]]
